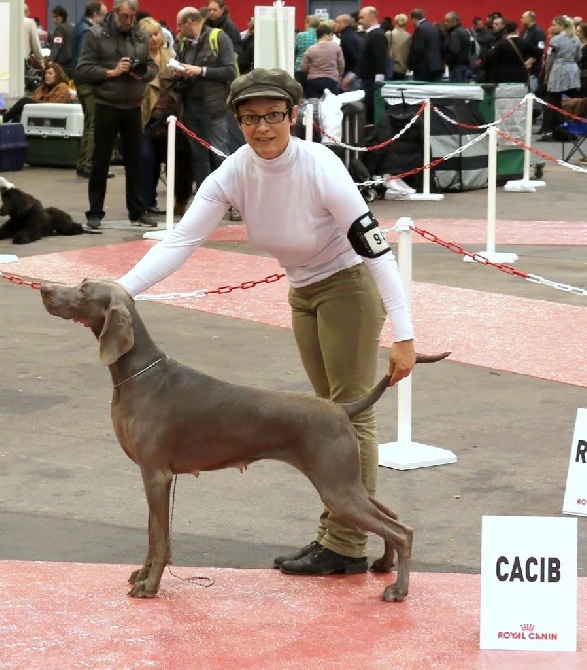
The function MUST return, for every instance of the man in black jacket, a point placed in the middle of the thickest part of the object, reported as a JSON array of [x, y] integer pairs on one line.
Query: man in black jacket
[[115, 59], [534, 34], [458, 49], [373, 59], [218, 18], [425, 59], [62, 41], [352, 45]]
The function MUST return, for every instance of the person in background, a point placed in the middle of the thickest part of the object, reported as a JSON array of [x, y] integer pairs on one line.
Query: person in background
[[352, 45], [323, 63], [562, 71], [399, 50], [507, 61], [159, 102], [115, 59], [373, 60], [32, 45], [304, 39], [300, 204], [218, 18], [62, 41], [533, 33], [246, 60], [168, 38], [458, 49], [498, 27], [55, 88], [94, 14], [425, 60], [582, 36], [203, 84]]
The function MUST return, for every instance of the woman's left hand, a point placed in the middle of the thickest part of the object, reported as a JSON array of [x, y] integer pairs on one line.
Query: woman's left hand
[[402, 358]]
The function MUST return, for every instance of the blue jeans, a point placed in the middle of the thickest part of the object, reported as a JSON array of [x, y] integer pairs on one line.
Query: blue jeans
[[458, 74]]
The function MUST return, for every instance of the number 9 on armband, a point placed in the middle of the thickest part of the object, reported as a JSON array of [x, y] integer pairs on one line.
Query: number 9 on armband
[[367, 238]]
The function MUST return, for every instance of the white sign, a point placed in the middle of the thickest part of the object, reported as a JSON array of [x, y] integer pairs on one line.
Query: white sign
[[529, 583], [4, 47], [576, 492], [275, 37]]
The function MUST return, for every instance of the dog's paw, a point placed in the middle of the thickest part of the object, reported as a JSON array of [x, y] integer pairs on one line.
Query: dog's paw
[[393, 593], [139, 590], [138, 575], [382, 565]]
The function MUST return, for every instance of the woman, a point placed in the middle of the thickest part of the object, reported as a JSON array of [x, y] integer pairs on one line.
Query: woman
[[55, 88], [300, 204], [508, 61], [399, 50], [247, 55], [562, 71], [323, 64], [582, 36], [159, 102]]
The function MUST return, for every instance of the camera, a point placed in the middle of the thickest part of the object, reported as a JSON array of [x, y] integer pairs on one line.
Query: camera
[[138, 67]]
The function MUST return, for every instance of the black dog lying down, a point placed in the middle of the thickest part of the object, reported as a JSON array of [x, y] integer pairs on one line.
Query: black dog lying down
[[29, 220]]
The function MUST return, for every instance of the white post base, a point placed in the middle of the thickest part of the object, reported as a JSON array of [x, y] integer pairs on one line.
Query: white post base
[[412, 455], [493, 257], [8, 258], [523, 185], [425, 196], [154, 235]]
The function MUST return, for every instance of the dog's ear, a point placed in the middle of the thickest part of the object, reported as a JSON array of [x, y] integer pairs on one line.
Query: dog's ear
[[117, 336]]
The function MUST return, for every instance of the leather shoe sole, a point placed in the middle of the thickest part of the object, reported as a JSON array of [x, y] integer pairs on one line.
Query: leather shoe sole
[[323, 561], [300, 553]]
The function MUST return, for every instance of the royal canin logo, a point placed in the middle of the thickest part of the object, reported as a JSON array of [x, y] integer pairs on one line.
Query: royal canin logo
[[526, 632]]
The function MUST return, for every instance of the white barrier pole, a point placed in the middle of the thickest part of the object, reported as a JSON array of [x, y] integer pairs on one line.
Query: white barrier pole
[[280, 18], [426, 195], [490, 253], [170, 174], [526, 185], [405, 454], [309, 122]]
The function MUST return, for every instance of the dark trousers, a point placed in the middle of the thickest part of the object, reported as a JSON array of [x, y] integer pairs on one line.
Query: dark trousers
[[15, 112], [196, 118], [315, 87], [108, 123], [368, 85], [154, 155]]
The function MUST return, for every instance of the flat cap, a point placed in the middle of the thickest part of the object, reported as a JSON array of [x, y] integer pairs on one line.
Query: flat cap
[[260, 82]]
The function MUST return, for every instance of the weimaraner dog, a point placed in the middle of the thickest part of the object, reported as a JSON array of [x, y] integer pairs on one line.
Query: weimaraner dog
[[171, 419]]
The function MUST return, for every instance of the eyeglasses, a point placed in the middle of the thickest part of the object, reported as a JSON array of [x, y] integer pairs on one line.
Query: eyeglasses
[[127, 17], [255, 119]]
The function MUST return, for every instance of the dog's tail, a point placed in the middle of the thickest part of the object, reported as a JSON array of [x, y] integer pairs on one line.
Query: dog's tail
[[360, 405]]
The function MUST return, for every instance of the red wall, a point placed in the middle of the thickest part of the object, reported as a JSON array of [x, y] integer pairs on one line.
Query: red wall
[[242, 10]]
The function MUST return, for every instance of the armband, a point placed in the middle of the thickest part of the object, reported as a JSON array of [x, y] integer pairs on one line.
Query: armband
[[366, 237]]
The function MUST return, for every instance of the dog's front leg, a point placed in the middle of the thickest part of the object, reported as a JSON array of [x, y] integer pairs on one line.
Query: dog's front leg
[[157, 488]]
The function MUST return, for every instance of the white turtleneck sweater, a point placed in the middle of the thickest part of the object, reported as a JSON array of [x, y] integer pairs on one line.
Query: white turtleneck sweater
[[297, 207]]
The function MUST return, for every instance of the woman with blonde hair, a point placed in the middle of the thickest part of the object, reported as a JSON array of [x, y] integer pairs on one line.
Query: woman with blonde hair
[[55, 88], [159, 102], [563, 76], [399, 49]]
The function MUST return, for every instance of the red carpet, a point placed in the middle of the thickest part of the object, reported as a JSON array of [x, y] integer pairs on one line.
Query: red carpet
[[61, 616]]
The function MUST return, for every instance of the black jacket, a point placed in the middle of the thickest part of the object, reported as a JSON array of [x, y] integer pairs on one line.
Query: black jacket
[[536, 37], [102, 48], [425, 58], [458, 46], [351, 44], [503, 64], [229, 27], [373, 58], [62, 47]]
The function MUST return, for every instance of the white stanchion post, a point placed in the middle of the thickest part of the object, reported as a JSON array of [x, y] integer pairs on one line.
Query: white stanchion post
[[426, 195], [526, 185], [169, 202], [309, 122], [490, 253], [405, 454], [280, 34]]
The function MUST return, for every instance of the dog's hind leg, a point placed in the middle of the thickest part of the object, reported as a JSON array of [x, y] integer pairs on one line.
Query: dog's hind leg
[[157, 483]]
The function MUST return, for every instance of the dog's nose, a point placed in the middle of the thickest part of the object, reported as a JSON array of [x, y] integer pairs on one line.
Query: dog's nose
[[46, 288]]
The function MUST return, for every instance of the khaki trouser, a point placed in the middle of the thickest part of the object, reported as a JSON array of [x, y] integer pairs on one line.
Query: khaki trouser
[[85, 95], [337, 323]]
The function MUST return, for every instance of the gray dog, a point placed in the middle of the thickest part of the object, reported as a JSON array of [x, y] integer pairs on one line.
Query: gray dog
[[171, 419]]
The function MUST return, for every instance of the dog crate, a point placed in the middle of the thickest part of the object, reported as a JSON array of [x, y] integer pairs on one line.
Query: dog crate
[[13, 147], [54, 133]]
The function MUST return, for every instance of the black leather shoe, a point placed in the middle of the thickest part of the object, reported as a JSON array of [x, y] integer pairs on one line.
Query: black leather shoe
[[94, 222], [300, 553], [323, 561], [86, 174], [155, 211], [144, 220], [548, 137]]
